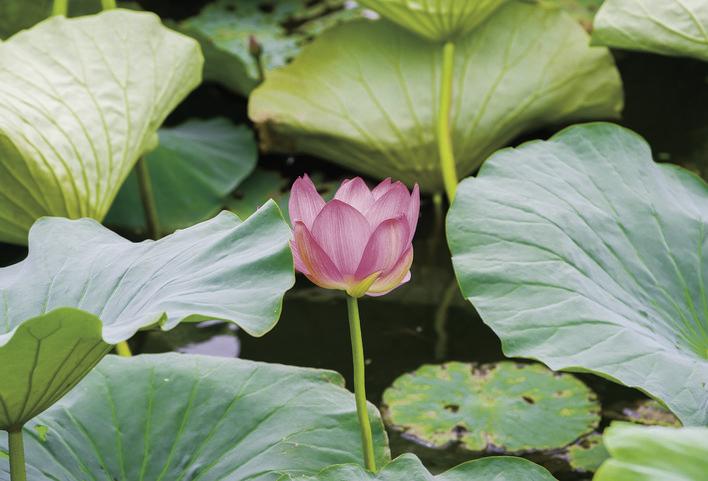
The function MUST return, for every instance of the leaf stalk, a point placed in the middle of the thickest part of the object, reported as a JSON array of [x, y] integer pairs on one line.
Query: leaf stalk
[[147, 198], [444, 135], [17, 456], [367, 441]]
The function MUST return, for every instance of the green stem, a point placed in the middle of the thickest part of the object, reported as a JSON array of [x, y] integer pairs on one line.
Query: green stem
[[367, 441], [447, 157], [17, 456], [147, 198], [60, 7], [123, 349], [108, 4]]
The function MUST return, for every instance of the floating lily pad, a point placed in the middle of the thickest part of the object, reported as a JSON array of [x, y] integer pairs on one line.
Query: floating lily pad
[[646, 411], [668, 27], [587, 454], [438, 20], [82, 288], [281, 28], [409, 468], [654, 453], [192, 171], [583, 253], [491, 408], [364, 94], [79, 103], [177, 417]]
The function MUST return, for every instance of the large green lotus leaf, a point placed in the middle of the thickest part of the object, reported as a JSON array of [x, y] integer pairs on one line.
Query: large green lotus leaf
[[224, 29], [177, 417], [654, 453], [82, 288], [668, 27], [192, 171], [409, 468], [436, 19], [496, 407], [364, 94], [583, 253], [80, 101]]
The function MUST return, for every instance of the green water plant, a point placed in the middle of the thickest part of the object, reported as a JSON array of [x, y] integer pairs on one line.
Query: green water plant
[[654, 453], [481, 407], [80, 102], [82, 289], [192, 171], [183, 417], [366, 94], [409, 468], [670, 27], [582, 252]]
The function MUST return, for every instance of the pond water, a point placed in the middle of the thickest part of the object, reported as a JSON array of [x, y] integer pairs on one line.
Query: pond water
[[427, 321]]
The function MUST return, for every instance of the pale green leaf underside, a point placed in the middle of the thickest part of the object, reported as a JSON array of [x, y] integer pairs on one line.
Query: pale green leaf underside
[[409, 468], [481, 407], [668, 27], [583, 253], [654, 453], [80, 101], [193, 170], [173, 417], [365, 94], [83, 288], [436, 19]]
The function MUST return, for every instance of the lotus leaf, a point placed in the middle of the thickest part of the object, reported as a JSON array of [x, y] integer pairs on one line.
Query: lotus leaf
[[654, 453], [491, 408], [436, 20], [669, 27], [80, 101], [582, 252], [83, 288], [192, 171], [224, 28], [177, 417], [409, 468], [364, 94]]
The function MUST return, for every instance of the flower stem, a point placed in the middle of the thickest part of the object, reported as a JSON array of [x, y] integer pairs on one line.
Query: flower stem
[[367, 441], [147, 198], [123, 349], [17, 456], [60, 7], [447, 157], [108, 4]]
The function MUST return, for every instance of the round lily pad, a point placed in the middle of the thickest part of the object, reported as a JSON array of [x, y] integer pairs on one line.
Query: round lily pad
[[645, 411], [502, 407], [587, 454]]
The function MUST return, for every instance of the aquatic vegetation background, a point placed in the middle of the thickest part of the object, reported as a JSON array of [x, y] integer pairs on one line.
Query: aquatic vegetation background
[[584, 251]]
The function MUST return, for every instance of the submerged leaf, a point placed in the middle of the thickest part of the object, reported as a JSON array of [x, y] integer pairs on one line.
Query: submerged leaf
[[409, 468], [192, 171], [176, 417], [653, 453], [80, 101], [491, 408], [437, 19], [83, 288], [226, 28], [583, 253], [668, 27], [364, 94]]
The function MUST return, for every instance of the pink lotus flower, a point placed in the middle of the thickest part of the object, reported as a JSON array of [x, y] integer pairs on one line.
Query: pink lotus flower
[[359, 242]]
